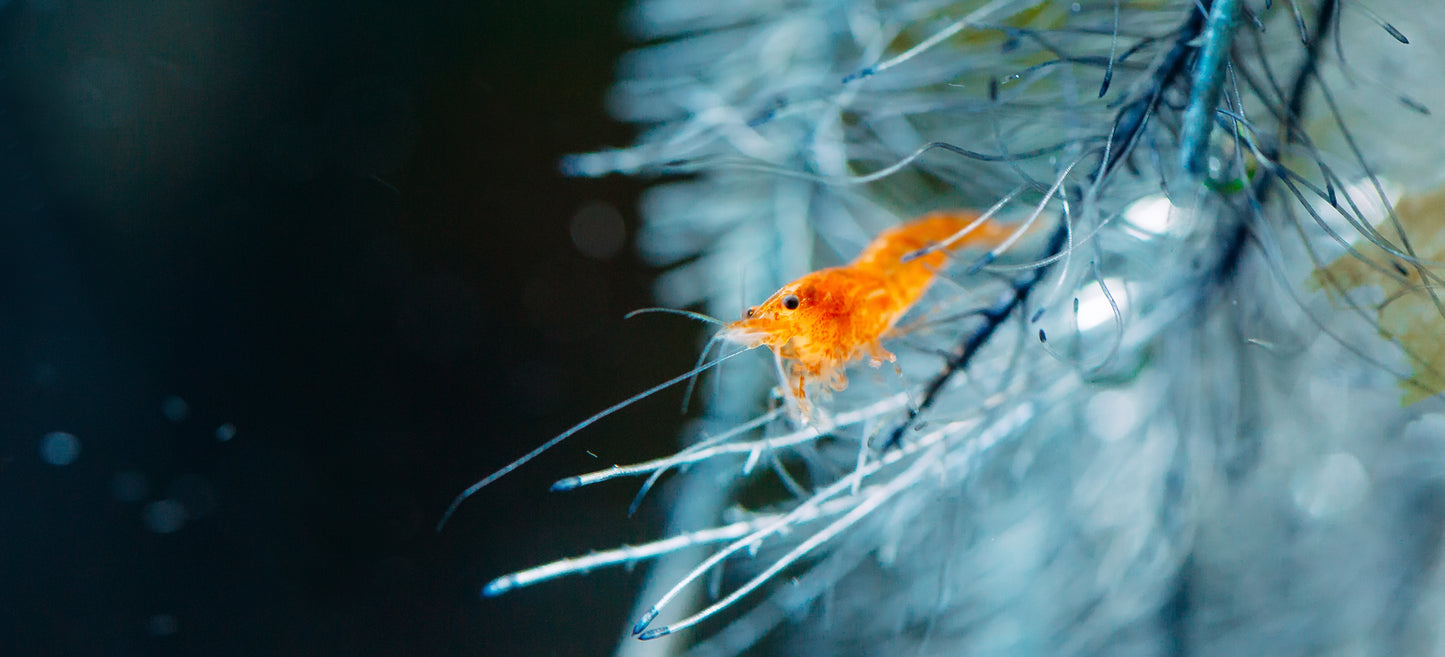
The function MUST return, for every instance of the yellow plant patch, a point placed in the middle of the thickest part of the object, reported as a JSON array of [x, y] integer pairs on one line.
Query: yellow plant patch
[[1412, 313]]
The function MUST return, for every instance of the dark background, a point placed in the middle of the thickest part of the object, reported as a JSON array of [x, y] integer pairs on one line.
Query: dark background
[[337, 227]]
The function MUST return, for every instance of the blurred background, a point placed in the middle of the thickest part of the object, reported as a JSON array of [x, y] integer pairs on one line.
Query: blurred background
[[280, 279]]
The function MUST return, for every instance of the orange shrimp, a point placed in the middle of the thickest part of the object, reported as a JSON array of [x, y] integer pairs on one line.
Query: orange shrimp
[[822, 321], [827, 319]]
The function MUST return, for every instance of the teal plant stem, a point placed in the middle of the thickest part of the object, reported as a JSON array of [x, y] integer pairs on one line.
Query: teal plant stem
[[1208, 80]]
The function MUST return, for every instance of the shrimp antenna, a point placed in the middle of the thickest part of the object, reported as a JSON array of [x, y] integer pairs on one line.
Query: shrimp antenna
[[674, 311], [697, 367], [471, 490]]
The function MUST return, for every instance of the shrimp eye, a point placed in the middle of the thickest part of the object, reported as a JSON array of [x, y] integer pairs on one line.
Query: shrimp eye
[[791, 302], [749, 313]]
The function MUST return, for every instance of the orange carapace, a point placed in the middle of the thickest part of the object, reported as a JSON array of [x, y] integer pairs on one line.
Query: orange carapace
[[827, 319]]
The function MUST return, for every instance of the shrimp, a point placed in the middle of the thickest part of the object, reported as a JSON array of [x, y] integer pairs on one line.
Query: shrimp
[[824, 320], [832, 317]]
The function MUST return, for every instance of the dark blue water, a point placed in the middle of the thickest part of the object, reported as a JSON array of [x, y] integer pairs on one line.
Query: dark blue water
[[281, 278]]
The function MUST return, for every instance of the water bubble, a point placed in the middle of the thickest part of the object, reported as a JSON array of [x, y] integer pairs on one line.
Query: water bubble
[[59, 448], [1102, 305], [1430, 427], [225, 432], [175, 409], [1331, 488], [1152, 215], [1114, 414], [162, 625], [164, 516], [597, 231]]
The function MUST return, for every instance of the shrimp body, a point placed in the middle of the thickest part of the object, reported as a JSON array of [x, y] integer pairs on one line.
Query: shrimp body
[[827, 319], [823, 321]]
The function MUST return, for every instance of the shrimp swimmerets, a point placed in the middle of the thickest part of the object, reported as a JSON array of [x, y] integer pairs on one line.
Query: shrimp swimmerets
[[827, 319]]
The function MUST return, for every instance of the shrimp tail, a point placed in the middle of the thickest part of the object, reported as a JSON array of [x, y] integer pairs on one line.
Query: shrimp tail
[[926, 238]]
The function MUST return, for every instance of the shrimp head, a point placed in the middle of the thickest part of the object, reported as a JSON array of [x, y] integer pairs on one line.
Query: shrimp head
[[832, 317], [820, 323]]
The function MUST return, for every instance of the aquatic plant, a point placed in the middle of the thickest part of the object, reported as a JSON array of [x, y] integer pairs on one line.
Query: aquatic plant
[[1198, 413]]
